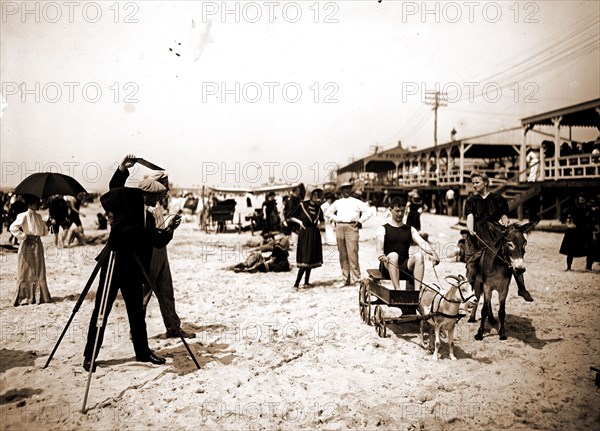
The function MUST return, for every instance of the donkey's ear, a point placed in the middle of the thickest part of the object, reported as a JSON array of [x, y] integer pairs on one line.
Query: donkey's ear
[[527, 227]]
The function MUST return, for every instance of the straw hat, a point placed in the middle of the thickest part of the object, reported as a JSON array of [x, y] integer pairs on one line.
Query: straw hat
[[149, 185]]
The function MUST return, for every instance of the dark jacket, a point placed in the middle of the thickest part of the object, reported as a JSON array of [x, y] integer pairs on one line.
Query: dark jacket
[[128, 232]]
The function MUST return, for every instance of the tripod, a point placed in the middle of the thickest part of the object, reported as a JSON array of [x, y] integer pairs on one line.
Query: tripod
[[104, 255]]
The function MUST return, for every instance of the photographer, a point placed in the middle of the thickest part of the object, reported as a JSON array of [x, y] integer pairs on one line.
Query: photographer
[[132, 239], [160, 270]]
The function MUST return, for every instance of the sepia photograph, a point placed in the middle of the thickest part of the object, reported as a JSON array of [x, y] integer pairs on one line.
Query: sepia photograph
[[310, 214]]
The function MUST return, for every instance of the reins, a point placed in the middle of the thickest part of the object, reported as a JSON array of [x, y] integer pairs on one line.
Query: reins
[[495, 252], [438, 293]]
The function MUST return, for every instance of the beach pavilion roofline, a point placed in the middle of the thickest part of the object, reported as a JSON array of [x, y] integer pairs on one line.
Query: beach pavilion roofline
[[585, 114]]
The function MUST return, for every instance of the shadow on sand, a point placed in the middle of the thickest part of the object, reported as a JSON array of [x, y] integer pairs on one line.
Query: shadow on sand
[[16, 395], [411, 333], [16, 358], [183, 363]]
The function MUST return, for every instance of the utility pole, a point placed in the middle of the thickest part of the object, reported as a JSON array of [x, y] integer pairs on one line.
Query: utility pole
[[436, 99]]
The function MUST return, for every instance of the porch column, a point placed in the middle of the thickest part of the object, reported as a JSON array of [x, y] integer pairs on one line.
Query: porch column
[[556, 121], [461, 168], [523, 156]]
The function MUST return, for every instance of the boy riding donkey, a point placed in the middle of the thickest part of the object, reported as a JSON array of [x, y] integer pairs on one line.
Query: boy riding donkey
[[486, 219]]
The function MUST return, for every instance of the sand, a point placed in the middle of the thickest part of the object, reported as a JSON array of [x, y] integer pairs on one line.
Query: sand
[[276, 358]]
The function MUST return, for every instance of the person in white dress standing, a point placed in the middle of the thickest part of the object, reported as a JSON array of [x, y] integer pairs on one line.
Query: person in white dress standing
[[329, 230], [28, 227]]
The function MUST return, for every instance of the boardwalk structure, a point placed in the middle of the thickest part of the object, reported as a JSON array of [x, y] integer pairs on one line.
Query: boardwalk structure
[[537, 184]]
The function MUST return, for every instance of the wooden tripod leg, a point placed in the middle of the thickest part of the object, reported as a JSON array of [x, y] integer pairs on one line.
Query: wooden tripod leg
[[101, 259], [99, 324]]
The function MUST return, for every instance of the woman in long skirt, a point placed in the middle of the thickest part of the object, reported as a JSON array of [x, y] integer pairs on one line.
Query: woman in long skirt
[[415, 204], [309, 252], [578, 236], [28, 228]]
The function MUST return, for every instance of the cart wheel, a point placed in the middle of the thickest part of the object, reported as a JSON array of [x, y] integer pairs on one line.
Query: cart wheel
[[380, 325], [367, 301], [361, 304]]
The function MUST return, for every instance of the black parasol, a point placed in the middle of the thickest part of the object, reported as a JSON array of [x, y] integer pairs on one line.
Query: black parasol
[[46, 184]]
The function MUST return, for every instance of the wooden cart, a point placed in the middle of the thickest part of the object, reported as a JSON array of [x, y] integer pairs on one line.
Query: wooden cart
[[221, 213], [375, 291]]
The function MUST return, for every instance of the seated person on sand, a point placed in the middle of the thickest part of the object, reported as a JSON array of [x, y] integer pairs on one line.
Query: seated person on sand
[[458, 254], [393, 244], [276, 262]]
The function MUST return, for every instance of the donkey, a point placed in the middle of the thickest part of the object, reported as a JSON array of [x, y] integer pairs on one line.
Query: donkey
[[442, 310], [496, 266]]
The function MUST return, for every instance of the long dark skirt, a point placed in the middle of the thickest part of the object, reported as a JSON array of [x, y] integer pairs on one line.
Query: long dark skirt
[[414, 219], [309, 253], [576, 242]]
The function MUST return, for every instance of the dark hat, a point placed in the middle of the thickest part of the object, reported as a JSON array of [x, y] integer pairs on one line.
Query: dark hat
[[315, 190]]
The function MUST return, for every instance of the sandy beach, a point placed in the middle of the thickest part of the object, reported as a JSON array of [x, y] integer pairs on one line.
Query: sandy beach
[[279, 359]]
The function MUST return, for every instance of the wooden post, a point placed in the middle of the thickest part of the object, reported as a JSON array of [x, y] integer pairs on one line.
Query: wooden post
[[522, 157], [556, 121], [462, 163], [520, 212]]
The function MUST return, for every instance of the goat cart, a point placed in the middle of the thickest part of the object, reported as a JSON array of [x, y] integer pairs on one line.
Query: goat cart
[[375, 291]]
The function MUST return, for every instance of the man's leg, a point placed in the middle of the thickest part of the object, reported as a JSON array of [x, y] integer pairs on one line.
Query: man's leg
[[340, 236], [163, 284], [392, 267], [520, 279], [352, 247], [416, 265], [131, 289], [472, 257]]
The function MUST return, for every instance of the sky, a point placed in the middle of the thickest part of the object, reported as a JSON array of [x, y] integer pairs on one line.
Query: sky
[[246, 93]]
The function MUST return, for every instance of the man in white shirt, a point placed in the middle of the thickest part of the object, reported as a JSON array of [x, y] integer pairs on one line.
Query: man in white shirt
[[450, 202], [348, 213]]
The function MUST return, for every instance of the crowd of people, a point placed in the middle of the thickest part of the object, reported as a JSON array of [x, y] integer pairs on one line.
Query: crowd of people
[[140, 233]]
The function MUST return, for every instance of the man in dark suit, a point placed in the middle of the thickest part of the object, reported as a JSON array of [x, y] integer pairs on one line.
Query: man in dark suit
[[159, 271], [132, 238]]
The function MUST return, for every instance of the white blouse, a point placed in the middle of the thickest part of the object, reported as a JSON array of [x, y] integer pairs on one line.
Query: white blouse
[[28, 223]]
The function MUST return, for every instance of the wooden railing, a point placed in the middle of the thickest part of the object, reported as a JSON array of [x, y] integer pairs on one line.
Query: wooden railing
[[570, 167]]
